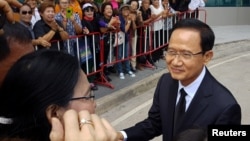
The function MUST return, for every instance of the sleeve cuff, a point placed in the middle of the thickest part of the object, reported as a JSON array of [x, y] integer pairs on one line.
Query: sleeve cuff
[[124, 135]]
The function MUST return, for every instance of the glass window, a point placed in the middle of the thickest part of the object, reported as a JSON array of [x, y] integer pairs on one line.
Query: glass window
[[228, 3]]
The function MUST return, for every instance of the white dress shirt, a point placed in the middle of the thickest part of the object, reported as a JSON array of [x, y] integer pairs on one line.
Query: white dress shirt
[[191, 88]]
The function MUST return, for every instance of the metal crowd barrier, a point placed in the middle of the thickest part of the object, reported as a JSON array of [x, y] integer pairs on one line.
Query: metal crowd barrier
[[149, 40]]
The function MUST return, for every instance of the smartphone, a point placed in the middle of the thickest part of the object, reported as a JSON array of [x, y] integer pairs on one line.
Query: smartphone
[[69, 12]]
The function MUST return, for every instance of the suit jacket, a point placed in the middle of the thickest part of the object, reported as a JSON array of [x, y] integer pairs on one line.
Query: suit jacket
[[212, 104]]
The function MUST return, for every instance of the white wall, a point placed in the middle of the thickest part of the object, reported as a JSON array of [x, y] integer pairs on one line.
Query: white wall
[[227, 15]]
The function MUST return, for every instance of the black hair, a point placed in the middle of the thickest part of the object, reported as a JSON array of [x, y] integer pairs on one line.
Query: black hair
[[206, 33], [13, 32], [25, 4], [35, 82], [129, 2], [104, 5], [4, 48]]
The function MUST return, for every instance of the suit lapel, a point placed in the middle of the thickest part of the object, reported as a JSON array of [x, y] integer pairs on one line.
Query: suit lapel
[[200, 100], [167, 97], [172, 95]]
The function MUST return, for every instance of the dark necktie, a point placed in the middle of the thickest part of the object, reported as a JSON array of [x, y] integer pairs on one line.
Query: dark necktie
[[180, 108]]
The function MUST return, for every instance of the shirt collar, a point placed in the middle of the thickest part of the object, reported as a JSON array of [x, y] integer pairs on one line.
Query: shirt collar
[[193, 87], [28, 26]]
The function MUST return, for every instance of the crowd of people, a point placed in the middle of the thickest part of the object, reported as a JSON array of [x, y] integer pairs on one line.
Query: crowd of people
[[76, 27], [46, 95]]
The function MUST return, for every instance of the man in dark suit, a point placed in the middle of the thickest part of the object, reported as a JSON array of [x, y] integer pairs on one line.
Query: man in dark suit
[[207, 102]]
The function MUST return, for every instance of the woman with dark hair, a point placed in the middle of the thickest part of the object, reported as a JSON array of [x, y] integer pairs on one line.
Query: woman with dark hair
[[144, 35], [123, 50], [48, 28], [91, 23], [108, 23], [39, 86], [32, 124], [115, 5], [136, 23]]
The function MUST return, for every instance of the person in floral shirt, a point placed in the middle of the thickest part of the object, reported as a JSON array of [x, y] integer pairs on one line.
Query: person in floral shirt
[[71, 23]]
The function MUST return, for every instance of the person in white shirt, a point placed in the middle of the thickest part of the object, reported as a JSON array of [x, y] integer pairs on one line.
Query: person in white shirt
[[193, 7], [194, 4], [157, 13]]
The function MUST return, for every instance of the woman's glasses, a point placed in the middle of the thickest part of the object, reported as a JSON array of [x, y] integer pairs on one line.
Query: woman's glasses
[[90, 97], [26, 12]]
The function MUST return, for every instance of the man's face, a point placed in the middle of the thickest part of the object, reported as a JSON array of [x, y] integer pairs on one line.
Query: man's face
[[25, 14], [183, 68]]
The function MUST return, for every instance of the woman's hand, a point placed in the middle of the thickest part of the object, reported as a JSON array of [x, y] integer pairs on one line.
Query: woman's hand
[[90, 128], [4, 5], [43, 42], [85, 30], [54, 26], [14, 3]]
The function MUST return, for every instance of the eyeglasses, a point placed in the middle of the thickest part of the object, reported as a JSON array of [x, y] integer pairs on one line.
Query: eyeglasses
[[90, 97], [187, 55], [90, 9], [26, 12]]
